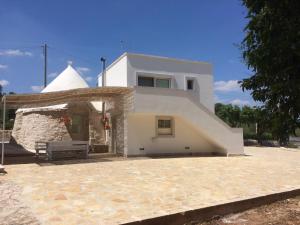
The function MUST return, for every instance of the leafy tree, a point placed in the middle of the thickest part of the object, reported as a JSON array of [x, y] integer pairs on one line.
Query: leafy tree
[[10, 113], [229, 114], [247, 115], [271, 49]]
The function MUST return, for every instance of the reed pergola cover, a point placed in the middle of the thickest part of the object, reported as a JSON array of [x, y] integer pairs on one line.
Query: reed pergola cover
[[60, 97]]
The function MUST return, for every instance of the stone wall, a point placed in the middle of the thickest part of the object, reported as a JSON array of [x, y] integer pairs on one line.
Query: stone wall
[[39, 126], [123, 106], [47, 125], [34, 126]]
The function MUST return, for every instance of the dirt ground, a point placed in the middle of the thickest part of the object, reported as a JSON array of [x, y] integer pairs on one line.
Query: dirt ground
[[286, 212]]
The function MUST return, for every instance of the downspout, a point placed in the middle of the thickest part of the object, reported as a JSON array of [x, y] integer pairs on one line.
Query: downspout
[[3, 128], [103, 60]]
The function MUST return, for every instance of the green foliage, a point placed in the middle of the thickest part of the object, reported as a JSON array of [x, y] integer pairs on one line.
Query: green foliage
[[264, 136], [10, 114], [254, 120], [229, 114], [271, 49]]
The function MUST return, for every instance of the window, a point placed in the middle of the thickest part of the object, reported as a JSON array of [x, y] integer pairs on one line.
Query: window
[[76, 124], [145, 81], [164, 126], [162, 83], [190, 84]]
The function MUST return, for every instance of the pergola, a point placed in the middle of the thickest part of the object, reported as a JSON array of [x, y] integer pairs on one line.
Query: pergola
[[104, 94]]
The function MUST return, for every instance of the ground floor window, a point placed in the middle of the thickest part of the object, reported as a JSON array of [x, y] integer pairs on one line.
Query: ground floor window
[[164, 126]]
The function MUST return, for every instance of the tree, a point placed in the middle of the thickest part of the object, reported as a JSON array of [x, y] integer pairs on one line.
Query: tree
[[229, 114], [271, 49], [247, 115], [10, 113]]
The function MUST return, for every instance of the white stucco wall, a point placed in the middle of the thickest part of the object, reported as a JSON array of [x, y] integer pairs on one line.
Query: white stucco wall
[[116, 73], [181, 104], [178, 70], [142, 134], [124, 71]]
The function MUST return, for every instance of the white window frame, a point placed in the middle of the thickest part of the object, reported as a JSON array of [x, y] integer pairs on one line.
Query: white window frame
[[158, 134]]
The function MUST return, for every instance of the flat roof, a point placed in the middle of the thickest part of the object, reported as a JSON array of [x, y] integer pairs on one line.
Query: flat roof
[[153, 56]]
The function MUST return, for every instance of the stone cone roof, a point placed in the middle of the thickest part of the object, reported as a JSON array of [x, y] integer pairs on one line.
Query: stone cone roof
[[67, 80]]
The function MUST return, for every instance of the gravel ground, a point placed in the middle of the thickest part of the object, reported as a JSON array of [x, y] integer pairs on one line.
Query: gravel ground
[[12, 211], [286, 212]]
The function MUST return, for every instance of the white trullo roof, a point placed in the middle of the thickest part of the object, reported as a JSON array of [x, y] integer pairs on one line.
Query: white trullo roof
[[67, 80]]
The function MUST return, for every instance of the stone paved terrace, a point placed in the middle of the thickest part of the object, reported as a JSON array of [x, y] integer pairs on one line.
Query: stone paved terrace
[[129, 190]]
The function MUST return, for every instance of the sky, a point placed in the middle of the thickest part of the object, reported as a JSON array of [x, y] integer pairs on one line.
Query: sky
[[84, 31]]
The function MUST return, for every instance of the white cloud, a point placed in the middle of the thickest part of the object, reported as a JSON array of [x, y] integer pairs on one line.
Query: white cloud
[[239, 102], [88, 78], [82, 69], [227, 86], [15, 52], [2, 66], [37, 88], [4, 83], [52, 75]]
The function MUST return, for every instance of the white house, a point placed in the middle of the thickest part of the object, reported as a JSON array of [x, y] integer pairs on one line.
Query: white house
[[154, 106], [173, 107]]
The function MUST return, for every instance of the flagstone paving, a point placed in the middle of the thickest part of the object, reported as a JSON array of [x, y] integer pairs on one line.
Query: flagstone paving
[[128, 190]]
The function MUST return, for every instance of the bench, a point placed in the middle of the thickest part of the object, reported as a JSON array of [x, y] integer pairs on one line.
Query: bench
[[40, 146], [67, 149]]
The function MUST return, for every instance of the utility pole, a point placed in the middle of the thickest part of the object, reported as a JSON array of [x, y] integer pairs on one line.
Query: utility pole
[[45, 63]]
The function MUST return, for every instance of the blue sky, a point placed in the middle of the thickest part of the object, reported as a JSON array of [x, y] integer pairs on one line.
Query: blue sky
[[83, 31]]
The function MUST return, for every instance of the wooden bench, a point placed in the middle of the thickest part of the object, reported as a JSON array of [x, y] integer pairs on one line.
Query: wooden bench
[[67, 149], [40, 146]]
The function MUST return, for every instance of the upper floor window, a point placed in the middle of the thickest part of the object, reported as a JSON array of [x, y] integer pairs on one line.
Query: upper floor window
[[162, 83], [190, 84], [146, 81], [154, 82]]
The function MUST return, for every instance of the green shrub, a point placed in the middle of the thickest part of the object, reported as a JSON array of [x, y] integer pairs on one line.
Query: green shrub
[[265, 136], [249, 135]]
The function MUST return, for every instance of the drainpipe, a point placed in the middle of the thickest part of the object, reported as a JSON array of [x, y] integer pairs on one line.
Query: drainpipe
[[3, 128], [103, 60]]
